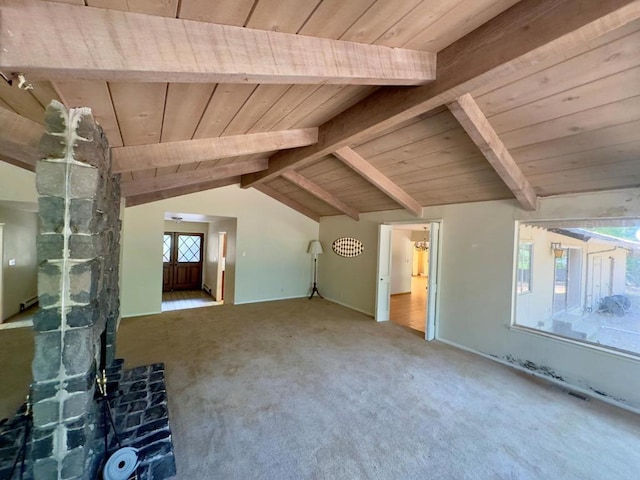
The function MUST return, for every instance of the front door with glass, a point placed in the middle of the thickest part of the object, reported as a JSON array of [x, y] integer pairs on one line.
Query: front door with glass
[[182, 261]]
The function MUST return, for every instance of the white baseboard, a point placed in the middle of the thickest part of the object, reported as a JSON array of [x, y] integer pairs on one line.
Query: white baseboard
[[566, 385], [141, 314], [368, 314], [247, 302]]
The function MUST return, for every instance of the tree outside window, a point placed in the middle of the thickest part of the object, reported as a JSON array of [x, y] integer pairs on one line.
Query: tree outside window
[[525, 257]]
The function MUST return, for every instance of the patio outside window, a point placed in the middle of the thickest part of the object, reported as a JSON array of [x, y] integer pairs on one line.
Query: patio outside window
[[587, 277]]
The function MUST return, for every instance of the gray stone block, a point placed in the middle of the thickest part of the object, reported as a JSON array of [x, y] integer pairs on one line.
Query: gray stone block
[[83, 316], [83, 246], [83, 280], [82, 216], [50, 246], [93, 153], [50, 178], [78, 351], [46, 469], [42, 447], [49, 284], [53, 146], [43, 390], [46, 360], [51, 211], [75, 438], [75, 405], [81, 383], [46, 412], [87, 128], [55, 118], [83, 181], [73, 464], [47, 319]]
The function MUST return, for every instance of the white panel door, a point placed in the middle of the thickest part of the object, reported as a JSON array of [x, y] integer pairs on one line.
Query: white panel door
[[434, 248], [383, 291]]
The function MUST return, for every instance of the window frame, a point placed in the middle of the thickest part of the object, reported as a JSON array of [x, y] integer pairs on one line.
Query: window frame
[[530, 245]]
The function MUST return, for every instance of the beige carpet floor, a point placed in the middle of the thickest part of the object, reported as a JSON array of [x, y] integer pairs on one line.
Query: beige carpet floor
[[305, 389]]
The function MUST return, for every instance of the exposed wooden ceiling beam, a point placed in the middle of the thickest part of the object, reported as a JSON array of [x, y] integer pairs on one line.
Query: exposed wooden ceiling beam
[[466, 110], [319, 192], [134, 200], [19, 140], [58, 41], [143, 157], [192, 177], [378, 179], [531, 33], [298, 207]]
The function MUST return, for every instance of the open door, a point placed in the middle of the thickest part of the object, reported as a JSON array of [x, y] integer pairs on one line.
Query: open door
[[383, 290], [434, 248]]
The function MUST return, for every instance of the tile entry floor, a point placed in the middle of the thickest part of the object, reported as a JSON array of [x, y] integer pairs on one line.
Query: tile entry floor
[[185, 299]]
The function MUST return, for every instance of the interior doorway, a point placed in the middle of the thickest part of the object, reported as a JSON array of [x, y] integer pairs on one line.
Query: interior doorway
[[407, 275]]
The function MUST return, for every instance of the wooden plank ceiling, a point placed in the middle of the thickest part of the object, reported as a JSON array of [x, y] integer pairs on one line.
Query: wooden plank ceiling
[[554, 89]]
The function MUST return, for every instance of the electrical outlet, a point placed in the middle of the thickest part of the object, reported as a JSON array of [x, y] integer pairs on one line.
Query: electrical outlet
[[12, 262]]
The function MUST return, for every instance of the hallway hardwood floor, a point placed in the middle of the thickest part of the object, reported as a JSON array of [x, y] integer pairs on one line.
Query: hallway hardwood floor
[[410, 310]]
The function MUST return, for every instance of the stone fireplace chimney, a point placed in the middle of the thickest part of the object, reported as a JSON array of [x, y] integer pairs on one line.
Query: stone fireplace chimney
[[74, 429], [78, 254]]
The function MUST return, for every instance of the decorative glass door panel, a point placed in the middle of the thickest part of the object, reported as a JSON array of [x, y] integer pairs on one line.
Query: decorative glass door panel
[[182, 261]]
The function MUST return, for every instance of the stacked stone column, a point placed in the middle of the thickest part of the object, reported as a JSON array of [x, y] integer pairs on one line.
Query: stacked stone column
[[78, 254]]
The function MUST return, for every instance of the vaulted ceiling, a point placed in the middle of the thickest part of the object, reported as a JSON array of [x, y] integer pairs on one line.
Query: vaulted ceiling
[[305, 101]]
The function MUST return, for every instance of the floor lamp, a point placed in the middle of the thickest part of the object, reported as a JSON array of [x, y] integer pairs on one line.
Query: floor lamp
[[315, 248]]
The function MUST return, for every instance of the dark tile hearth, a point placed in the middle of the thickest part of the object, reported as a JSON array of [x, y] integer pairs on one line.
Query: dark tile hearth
[[138, 403], [141, 419]]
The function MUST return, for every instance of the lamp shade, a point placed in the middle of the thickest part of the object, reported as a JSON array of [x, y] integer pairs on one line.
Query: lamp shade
[[315, 247]]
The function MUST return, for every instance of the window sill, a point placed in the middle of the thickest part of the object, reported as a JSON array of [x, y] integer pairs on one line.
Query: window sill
[[586, 345]]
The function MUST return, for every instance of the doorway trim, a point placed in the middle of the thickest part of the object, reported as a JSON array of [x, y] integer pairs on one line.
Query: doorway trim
[[222, 259], [383, 291]]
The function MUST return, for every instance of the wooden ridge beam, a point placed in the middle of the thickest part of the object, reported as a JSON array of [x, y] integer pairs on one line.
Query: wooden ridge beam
[[298, 207], [319, 192], [19, 140], [192, 177], [378, 179], [471, 118], [519, 40], [134, 200], [53, 41], [143, 157]]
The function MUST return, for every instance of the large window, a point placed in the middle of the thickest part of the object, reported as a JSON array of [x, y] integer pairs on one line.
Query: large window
[[587, 281]]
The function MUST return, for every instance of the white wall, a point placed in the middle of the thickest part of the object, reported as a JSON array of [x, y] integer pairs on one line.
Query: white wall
[[16, 184], [20, 281], [271, 261], [476, 284], [401, 261]]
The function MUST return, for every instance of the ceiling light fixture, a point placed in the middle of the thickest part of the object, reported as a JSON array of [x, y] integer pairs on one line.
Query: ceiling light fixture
[[423, 245]]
